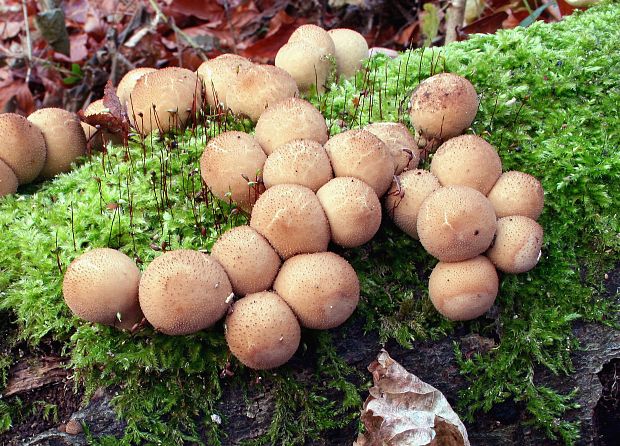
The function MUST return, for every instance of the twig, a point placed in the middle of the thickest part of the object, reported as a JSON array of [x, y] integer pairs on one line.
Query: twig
[[456, 13], [28, 40]]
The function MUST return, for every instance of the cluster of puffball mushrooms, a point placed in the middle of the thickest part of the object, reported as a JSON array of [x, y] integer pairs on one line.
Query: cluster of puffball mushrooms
[[304, 189]]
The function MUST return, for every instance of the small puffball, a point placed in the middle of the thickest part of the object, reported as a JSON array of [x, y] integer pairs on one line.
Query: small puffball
[[128, 82], [307, 64], [217, 76], [8, 180], [103, 137], [353, 211], [403, 200], [465, 290], [400, 142], [517, 193], [300, 161], [517, 244], [350, 50], [262, 331], [22, 147], [315, 36]]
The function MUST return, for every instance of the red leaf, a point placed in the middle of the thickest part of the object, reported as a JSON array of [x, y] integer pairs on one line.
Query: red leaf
[[15, 96], [486, 25], [210, 10]]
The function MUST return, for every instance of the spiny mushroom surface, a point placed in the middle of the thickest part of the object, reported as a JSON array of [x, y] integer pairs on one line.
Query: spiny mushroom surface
[[456, 223], [322, 289], [401, 143], [64, 139], [184, 291], [467, 160], [102, 286], [306, 63], [315, 36], [22, 147], [287, 120], [517, 244], [262, 331], [517, 193], [128, 82], [8, 180], [350, 50], [291, 218], [353, 211], [217, 76], [248, 259], [301, 161]]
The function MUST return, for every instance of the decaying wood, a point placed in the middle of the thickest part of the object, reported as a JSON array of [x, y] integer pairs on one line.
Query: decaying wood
[[33, 373]]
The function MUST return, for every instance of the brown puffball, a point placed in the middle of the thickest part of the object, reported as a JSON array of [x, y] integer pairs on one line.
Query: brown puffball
[[350, 50], [462, 291], [403, 148], [165, 99], [315, 36], [300, 161], [403, 200], [353, 211], [306, 63], [443, 106], [8, 180], [217, 76], [102, 286], [248, 259], [256, 87], [291, 218], [290, 119], [517, 193], [322, 289], [262, 331], [517, 244], [360, 154], [98, 108], [126, 84], [184, 291], [64, 139], [456, 223], [467, 160], [228, 162], [22, 147]]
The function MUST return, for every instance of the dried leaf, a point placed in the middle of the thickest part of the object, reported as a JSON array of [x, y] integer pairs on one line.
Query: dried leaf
[[52, 26], [115, 121]]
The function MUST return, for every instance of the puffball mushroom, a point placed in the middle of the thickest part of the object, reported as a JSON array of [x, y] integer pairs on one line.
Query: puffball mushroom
[[262, 331], [403, 200], [217, 76], [462, 291], [98, 108], [8, 180], [517, 244], [258, 86], [287, 120], [306, 63], [300, 161], [517, 193], [350, 50], [291, 218], [22, 147], [128, 82], [403, 147], [353, 211], [322, 289], [228, 162], [315, 36], [360, 154], [443, 106], [165, 99], [456, 223], [102, 286], [64, 139], [467, 160], [184, 291], [248, 259]]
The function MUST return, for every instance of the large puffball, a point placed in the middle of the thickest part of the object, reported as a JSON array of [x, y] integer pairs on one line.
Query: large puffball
[[8, 180], [517, 193], [316, 36], [218, 75], [128, 82], [517, 244], [306, 63], [400, 142], [350, 50], [22, 147]]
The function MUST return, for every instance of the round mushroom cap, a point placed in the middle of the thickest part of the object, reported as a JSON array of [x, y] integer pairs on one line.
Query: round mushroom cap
[[350, 50], [360, 154], [8, 180], [456, 223], [403, 200], [262, 331], [90, 132], [291, 218], [102, 286], [258, 86], [467, 160], [307, 64], [517, 245], [353, 211], [248, 259], [315, 36], [184, 291], [228, 162], [22, 147], [322, 289], [126, 84], [400, 142], [517, 193], [462, 291], [98, 108], [443, 106], [299, 161], [64, 138], [165, 99], [217, 76], [290, 119]]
